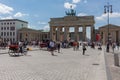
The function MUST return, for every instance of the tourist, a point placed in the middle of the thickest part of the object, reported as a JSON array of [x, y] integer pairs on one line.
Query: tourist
[[58, 46], [118, 45], [77, 45], [74, 45], [20, 47], [52, 47], [113, 46], [84, 49], [107, 48]]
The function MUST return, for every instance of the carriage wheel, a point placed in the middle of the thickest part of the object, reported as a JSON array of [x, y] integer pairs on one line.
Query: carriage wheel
[[11, 53]]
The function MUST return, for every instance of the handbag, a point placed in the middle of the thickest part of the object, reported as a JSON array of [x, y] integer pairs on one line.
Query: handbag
[[84, 49]]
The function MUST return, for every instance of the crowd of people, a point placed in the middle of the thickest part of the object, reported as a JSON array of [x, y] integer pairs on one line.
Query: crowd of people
[[52, 45], [112, 45]]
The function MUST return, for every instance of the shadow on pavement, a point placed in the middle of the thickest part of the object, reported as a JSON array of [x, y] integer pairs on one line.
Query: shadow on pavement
[[3, 53]]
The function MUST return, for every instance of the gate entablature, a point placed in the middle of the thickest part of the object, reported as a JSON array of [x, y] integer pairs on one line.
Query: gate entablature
[[72, 20]]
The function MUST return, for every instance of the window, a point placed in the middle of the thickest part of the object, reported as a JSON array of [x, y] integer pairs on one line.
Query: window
[[4, 33], [4, 23], [7, 28], [1, 28], [7, 23], [1, 33], [5, 39], [12, 28], [13, 22], [4, 28], [1, 23]]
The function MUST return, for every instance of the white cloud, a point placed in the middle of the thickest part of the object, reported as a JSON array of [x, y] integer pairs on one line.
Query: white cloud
[[104, 16], [19, 14], [4, 9], [46, 28], [42, 22], [114, 15], [76, 1], [68, 5], [8, 17], [30, 26], [81, 14]]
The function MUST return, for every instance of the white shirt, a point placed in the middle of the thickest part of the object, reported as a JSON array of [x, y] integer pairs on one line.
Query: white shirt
[[52, 44]]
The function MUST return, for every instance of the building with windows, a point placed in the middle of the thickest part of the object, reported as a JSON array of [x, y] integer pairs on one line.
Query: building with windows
[[9, 27]]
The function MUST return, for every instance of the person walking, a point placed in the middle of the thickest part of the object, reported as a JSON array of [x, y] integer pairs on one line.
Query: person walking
[[74, 45], [20, 47], [107, 47], [77, 45], [113, 46], [52, 47], [84, 49], [118, 45], [58, 46]]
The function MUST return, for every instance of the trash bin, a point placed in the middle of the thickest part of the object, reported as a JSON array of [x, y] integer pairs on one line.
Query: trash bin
[[116, 59]]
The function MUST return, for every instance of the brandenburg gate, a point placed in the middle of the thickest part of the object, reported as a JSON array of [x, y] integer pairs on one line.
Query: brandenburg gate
[[58, 24]]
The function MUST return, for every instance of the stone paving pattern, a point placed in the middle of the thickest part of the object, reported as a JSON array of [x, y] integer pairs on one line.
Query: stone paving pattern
[[67, 65], [114, 70]]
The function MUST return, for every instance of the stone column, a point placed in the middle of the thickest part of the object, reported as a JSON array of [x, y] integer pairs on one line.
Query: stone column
[[84, 33], [51, 32], [68, 38], [61, 34], [66, 33], [76, 35], [114, 36], [54, 34], [58, 34], [92, 34]]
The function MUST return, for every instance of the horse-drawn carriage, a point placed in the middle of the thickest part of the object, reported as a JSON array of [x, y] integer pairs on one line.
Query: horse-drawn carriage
[[15, 50]]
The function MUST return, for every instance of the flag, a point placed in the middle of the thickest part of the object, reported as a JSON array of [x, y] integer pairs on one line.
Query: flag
[[98, 37]]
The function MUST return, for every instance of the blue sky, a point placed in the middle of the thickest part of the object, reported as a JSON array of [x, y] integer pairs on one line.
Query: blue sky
[[39, 12]]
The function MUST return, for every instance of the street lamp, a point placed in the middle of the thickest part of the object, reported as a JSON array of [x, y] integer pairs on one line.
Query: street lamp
[[108, 9]]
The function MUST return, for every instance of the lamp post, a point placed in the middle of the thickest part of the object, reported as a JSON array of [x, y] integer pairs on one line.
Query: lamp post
[[108, 9]]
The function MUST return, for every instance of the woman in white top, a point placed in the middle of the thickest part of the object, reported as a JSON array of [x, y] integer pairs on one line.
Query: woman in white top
[[52, 46]]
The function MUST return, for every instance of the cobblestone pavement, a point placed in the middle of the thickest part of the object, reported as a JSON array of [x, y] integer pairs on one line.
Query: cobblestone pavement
[[114, 70], [67, 65]]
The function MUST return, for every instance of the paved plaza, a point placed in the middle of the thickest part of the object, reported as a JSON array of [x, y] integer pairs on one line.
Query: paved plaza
[[67, 65], [114, 71]]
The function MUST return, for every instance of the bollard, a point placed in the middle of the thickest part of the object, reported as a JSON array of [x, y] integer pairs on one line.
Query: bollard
[[116, 59]]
